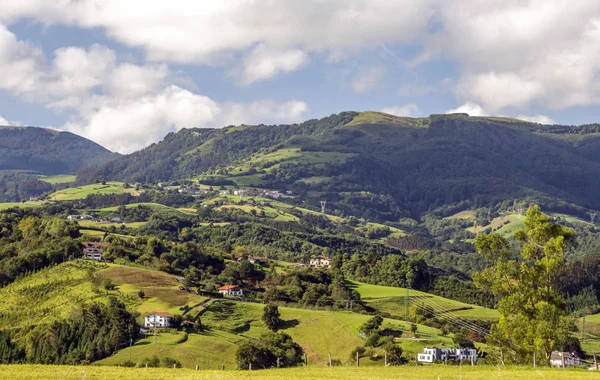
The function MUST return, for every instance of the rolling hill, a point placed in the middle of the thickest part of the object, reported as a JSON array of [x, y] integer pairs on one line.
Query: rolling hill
[[26, 153], [381, 166], [47, 151]]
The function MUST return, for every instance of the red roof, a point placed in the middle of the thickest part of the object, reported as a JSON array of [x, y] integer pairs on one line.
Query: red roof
[[229, 287], [163, 314]]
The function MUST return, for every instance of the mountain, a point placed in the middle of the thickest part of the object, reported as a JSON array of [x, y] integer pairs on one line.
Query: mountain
[[382, 166], [27, 152], [47, 151]]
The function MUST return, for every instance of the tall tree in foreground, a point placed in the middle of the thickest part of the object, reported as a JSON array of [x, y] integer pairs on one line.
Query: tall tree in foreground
[[533, 313]]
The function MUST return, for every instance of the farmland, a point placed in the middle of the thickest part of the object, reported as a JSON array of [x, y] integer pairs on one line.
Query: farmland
[[74, 193], [26, 372], [392, 300]]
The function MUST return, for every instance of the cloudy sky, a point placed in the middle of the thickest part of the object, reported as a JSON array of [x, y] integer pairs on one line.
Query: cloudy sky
[[126, 72]]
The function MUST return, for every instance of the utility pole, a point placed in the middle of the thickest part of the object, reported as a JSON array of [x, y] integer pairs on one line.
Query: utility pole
[[593, 216], [583, 327], [130, 343], [323, 204], [595, 362], [154, 324]]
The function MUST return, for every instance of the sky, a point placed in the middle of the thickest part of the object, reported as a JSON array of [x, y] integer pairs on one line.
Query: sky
[[124, 73]]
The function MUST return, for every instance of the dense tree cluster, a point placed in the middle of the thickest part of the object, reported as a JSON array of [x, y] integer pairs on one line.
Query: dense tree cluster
[[93, 333]]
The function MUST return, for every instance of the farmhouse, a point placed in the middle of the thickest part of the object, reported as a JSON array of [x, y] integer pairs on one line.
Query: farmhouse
[[254, 259], [158, 320], [431, 355], [320, 261], [564, 359], [93, 250], [231, 290]]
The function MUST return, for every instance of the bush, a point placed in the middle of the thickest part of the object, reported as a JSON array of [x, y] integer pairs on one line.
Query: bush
[[394, 354], [168, 362], [271, 317], [373, 340], [361, 352], [128, 363], [151, 362]]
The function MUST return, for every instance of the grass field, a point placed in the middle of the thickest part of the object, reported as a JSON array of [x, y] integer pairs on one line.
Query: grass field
[[154, 206], [56, 179], [505, 225], [54, 292], [433, 372], [7, 205], [393, 300], [74, 193], [91, 223]]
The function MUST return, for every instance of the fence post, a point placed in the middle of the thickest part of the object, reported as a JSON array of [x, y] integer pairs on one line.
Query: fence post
[[534, 363], [277, 362], [562, 354], [305, 359], [329, 354], [197, 366], [385, 356], [357, 360], [502, 357], [250, 366], [595, 362]]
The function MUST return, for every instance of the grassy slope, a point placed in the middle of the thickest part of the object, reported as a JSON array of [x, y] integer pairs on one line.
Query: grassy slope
[[74, 193], [7, 205], [54, 292], [441, 372], [392, 300], [61, 178]]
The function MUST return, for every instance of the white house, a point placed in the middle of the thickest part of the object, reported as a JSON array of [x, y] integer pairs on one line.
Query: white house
[[431, 355], [231, 290], [564, 359], [116, 220], [320, 261], [93, 250], [158, 320]]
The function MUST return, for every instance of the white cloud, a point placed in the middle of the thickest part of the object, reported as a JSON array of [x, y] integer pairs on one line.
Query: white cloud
[[9, 123], [409, 110], [471, 108], [189, 31], [514, 54], [541, 119], [121, 105], [368, 79], [265, 62]]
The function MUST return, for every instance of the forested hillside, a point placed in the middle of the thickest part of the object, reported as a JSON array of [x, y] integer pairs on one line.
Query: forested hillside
[[48, 151], [384, 167]]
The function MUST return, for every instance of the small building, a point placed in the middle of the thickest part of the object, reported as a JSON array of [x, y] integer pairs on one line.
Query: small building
[[73, 217], [158, 320], [320, 261], [86, 217], [431, 355], [93, 250], [564, 359], [34, 199], [254, 259], [116, 220], [231, 290]]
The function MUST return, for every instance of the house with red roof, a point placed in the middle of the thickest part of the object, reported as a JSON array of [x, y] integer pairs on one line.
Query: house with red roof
[[231, 290]]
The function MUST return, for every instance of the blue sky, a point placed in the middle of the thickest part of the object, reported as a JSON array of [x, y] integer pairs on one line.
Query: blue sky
[[126, 73]]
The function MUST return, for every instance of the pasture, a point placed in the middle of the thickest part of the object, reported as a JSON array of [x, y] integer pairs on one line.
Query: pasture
[[433, 372], [74, 193]]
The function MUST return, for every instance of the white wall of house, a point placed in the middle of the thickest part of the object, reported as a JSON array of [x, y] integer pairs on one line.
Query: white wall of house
[[155, 320]]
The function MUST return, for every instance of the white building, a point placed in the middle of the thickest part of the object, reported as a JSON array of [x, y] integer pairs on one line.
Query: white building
[[158, 320], [564, 359], [320, 261], [93, 250], [431, 355], [231, 290]]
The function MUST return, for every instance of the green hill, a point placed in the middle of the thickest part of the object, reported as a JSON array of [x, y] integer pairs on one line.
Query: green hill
[[57, 292], [383, 167], [28, 152], [48, 151]]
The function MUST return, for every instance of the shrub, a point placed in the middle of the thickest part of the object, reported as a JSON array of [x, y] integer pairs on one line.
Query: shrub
[[168, 362], [151, 362]]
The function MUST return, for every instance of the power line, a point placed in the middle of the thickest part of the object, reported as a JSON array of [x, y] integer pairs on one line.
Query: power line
[[448, 316]]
